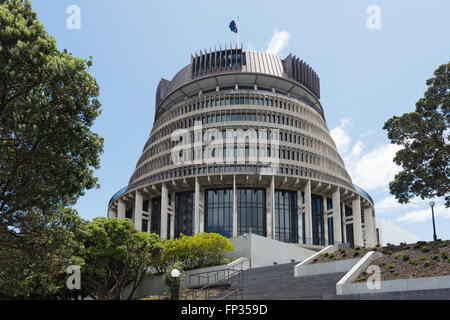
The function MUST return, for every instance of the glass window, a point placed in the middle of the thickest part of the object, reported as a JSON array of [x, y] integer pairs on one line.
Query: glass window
[[218, 211], [286, 221]]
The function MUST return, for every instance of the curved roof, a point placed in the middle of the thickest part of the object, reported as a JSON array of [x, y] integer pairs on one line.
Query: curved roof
[[229, 61]]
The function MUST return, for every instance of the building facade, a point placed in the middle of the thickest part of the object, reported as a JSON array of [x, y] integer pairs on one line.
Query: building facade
[[240, 144]]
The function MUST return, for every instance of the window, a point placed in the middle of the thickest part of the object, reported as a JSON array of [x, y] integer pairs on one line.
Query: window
[[251, 211], [184, 213], [219, 211], [286, 221]]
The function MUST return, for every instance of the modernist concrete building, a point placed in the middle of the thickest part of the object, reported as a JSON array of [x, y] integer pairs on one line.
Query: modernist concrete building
[[240, 142]]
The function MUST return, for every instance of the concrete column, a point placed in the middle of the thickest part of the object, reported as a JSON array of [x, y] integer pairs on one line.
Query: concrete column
[[138, 199], [272, 211], [172, 216], [149, 215], [299, 216], [235, 213], [374, 227], [202, 209], [197, 207], [269, 212], [120, 209], [325, 219], [357, 227], [368, 226], [164, 208], [337, 225], [112, 213], [308, 213], [343, 224]]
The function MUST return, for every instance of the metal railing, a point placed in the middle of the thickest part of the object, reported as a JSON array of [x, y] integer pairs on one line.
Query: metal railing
[[363, 192], [235, 291]]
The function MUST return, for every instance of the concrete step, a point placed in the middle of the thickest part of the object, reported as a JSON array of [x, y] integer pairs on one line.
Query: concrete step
[[278, 282]]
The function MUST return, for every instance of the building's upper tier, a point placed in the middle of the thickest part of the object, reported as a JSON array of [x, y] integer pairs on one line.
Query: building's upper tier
[[233, 66]]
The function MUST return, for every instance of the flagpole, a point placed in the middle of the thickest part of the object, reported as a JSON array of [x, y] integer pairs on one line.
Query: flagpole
[[237, 44]]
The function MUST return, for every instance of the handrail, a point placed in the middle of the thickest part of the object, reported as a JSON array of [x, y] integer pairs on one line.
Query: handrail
[[232, 293], [201, 274]]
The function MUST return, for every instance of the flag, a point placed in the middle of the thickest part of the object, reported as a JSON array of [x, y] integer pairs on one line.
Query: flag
[[233, 26]]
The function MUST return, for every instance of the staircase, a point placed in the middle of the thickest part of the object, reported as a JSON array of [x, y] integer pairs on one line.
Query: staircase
[[277, 282]]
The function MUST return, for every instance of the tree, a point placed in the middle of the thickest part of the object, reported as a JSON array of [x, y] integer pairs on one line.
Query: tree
[[33, 263], [48, 103], [424, 135], [116, 255]]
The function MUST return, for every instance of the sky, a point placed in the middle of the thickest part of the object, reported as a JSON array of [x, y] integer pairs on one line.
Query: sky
[[373, 58]]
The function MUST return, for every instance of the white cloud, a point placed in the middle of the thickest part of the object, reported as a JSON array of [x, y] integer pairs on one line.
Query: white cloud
[[370, 170], [279, 41], [425, 214], [391, 233], [341, 135]]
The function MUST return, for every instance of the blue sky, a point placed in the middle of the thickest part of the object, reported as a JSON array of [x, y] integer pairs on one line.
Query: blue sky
[[367, 76]]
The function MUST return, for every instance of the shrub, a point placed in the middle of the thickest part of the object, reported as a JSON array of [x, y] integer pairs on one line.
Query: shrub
[[374, 249], [423, 258], [378, 245], [397, 256], [443, 244], [344, 254], [390, 267], [396, 274], [358, 248], [201, 250], [426, 264], [436, 257], [382, 264], [421, 243], [385, 251], [414, 262], [412, 275], [426, 249], [389, 252], [331, 256], [417, 246], [325, 254], [444, 255], [364, 273], [405, 257], [315, 259], [356, 253]]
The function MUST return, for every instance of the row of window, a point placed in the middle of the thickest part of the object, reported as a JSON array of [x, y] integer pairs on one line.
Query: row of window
[[229, 99], [238, 153]]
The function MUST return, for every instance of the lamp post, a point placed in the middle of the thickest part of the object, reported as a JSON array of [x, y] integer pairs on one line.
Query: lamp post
[[432, 215], [175, 273]]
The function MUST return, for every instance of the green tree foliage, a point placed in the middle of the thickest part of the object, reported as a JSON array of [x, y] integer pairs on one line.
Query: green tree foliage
[[200, 250], [34, 266], [48, 103], [116, 255], [424, 135]]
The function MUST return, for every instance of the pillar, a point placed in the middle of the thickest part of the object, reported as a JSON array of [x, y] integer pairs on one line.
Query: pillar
[[235, 214], [368, 226], [325, 220], [270, 213], [120, 209], [112, 213], [172, 215], [357, 226], [337, 224], [197, 207], [138, 199], [164, 208], [299, 216], [308, 213]]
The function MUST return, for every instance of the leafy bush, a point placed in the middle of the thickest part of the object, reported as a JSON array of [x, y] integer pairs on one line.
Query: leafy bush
[[331, 256], [356, 253], [382, 264], [426, 249], [444, 255], [414, 262], [436, 257], [315, 259], [357, 248], [397, 256], [396, 274], [405, 257], [426, 264], [201, 250]]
